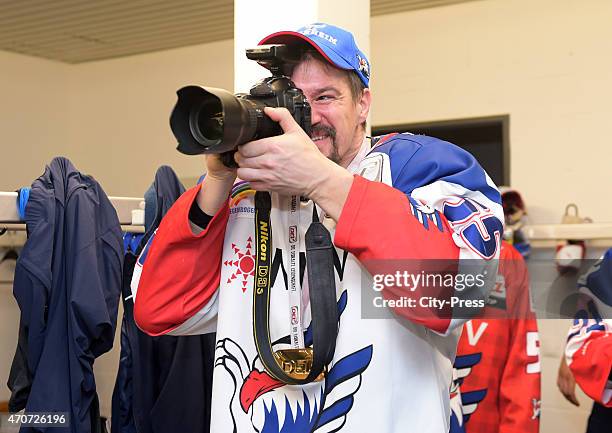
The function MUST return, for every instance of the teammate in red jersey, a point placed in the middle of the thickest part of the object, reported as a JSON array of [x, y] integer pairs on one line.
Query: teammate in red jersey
[[498, 363]]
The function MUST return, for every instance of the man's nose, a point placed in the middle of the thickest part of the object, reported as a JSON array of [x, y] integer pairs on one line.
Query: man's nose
[[315, 115]]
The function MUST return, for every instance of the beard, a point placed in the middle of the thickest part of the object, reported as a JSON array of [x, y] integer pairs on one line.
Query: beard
[[329, 132]]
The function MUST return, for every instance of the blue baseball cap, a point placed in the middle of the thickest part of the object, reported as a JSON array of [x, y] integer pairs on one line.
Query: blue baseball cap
[[335, 44]]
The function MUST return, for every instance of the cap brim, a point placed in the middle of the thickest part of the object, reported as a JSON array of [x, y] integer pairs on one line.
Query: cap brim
[[288, 37]]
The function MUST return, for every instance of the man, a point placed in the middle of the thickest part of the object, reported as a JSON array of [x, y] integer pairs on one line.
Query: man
[[588, 352], [498, 362], [416, 198]]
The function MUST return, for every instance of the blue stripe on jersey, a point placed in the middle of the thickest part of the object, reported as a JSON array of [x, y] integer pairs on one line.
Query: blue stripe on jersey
[[418, 160], [467, 361]]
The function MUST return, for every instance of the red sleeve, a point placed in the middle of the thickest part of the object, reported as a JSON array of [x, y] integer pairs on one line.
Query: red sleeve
[[182, 271], [377, 223], [519, 390], [378, 226], [591, 365]]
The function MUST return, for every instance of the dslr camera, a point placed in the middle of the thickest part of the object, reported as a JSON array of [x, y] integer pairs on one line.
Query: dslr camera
[[211, 120]]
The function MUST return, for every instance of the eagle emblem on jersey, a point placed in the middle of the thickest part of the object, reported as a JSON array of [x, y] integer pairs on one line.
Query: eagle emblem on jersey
[[261, 403]]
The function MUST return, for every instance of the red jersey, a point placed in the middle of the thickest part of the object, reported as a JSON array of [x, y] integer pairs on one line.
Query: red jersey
[[498, 363]]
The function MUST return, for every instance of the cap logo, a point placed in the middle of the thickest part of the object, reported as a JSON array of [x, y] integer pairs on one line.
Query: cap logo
[[363, 66], [313, 31]]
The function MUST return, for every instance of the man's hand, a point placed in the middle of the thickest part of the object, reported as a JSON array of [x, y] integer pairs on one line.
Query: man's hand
[[216, 186], [217, 170], [291, 164], [566, 382]]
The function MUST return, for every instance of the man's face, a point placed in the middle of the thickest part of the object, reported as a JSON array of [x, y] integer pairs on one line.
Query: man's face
[[336, 116]]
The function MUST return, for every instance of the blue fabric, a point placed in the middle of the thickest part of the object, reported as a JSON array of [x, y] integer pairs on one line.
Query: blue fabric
[[150, 197], [23, 196], [599, 279], [418, 160], [131, 241], [160, 379], [67, 285], [122, 404], [600, 419]]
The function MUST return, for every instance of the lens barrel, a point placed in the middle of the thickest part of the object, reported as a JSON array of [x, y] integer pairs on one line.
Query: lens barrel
[[211, 120]]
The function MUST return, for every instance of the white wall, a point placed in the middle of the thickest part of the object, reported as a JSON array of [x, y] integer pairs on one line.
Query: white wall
[[111, 118], [544, 62], [33, 117], [120, 109]]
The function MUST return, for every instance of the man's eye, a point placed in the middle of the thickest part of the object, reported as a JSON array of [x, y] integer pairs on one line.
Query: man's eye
[[324, 97]]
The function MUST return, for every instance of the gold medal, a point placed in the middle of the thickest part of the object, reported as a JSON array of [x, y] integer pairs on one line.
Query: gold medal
[[296, 363]]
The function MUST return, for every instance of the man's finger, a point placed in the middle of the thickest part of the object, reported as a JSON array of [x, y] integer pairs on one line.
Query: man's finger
[[283, 117], [254, 148], [261, 146], [571, 397], [568, 390], [250, 174], [262, 162]]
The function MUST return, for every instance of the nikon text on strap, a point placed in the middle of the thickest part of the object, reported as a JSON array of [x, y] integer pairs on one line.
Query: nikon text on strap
[[298, 365]]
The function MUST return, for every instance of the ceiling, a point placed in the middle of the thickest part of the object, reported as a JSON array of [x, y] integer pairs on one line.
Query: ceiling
[[76, 31]]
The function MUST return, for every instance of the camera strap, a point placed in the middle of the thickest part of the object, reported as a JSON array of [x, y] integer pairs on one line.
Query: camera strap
[[297, 365], [295, 293]]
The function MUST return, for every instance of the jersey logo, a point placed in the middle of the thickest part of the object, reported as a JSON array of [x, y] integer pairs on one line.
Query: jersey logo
[[586, 321], [243, 264], [497, 296], [477, 225], [425, 214], [376, 167], [261, 403]]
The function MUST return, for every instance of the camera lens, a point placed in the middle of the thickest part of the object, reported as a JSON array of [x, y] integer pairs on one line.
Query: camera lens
[[206, 122], [210, 120]]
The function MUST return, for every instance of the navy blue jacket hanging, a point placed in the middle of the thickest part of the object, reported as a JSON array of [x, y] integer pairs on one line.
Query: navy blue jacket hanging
[[67, 284], [164, 384]]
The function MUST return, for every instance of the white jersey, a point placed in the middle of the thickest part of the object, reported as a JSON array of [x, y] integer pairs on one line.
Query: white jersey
[[388, 375]]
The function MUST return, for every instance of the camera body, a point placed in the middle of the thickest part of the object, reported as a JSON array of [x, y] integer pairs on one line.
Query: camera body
[[211, 120]]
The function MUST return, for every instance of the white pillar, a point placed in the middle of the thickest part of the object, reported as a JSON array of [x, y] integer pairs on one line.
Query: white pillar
[[253, 20]]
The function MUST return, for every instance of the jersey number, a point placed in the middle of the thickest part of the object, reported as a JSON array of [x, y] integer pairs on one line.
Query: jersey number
[[477, 225], [533, 349]]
